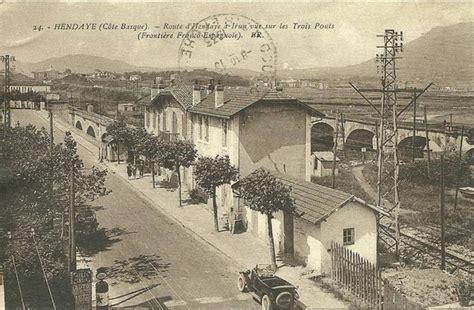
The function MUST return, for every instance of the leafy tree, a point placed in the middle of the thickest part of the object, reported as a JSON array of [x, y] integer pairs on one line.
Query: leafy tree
[[118, 130], [265, 194], [177, 154], [31, 205], [133, 138], [150, 147], [211, 173]]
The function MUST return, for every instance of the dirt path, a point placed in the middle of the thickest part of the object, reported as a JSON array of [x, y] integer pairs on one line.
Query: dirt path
[[370, 190]]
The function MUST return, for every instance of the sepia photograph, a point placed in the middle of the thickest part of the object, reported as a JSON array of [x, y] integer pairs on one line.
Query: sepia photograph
[[236, 155]]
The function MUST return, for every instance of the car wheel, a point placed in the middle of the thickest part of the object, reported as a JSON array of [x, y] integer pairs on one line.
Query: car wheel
[[284, 300], [242, 283], [266, 303]]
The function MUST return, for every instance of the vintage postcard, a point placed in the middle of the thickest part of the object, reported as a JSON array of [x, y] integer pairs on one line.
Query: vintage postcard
[[236, 155]]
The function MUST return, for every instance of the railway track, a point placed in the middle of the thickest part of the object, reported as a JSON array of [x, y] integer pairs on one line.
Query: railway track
[[422, 246]]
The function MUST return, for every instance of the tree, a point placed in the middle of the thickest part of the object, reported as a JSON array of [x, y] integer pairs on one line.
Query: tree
[[265, 194], [150, 147], [31, 205], [177, 154], [211, 173], [133, 137], [118, 130]]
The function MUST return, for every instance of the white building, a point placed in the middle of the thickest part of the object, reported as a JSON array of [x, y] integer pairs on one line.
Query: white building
[[322, 162], [322, 215], [32, 87]]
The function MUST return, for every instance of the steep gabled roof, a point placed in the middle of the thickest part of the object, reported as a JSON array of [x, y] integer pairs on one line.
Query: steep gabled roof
[[313, 202], [237, 99]]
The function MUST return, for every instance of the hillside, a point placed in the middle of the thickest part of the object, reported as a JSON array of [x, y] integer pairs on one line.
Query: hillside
[[81, 64], [443, 55]]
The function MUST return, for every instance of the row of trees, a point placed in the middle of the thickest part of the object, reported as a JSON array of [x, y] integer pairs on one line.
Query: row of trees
[[35, 196], [261, 190]]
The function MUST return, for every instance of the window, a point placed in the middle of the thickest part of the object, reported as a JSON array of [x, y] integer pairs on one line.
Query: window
[[174, 123], [147, 118], [224, 132], [164, 120], [200, 127], [206, 124], [154, 119], [348, 236]]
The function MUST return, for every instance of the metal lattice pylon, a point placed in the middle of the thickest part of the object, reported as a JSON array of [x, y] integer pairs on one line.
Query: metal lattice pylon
[[387, 160], [387, 131]]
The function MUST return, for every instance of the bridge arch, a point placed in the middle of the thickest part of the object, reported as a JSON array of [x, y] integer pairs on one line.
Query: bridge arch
[[322, 137], [360, 138], [405, 146], [90, 131], [79, 125]]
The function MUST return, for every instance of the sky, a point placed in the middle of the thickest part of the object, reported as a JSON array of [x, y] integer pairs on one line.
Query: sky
[[351, 39]]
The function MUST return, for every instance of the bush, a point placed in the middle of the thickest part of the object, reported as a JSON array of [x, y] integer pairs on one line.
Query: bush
[[463, 288], [417, 172], [198, 196]]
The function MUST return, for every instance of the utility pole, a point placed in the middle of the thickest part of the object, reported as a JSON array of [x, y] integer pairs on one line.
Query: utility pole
[[334, 158], [427, 142], [459, 170], [414, 127], [72, 218], [343, 134], [51, 126], [443, 249], [6, 93], [387, 155]]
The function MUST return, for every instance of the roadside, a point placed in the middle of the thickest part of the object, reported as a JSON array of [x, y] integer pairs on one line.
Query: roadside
[[245, 249]]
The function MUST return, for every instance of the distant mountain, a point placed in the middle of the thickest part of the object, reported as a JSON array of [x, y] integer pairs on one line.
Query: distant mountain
[[81, 63], [443, 55]]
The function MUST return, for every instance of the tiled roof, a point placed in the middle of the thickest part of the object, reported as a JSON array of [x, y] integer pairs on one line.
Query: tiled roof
[[238, 98], [325, 156], [182, 93], [313, 202]]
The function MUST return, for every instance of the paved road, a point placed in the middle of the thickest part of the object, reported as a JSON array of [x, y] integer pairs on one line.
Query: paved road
[[149, 256]]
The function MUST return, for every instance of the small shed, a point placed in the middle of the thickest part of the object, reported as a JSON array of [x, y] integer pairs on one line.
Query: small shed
[[322, 162]]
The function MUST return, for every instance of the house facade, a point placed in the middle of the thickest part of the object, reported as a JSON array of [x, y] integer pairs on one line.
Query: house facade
[[254, 128]]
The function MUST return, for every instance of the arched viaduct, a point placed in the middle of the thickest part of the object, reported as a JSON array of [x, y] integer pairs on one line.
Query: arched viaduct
[[358, 134], [90, 125]]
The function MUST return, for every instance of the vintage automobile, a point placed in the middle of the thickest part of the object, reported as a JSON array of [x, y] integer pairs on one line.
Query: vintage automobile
[[270, 290]]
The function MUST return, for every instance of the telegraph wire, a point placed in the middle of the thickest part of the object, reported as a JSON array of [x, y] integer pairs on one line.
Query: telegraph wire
[[42, 268], [18, 282]]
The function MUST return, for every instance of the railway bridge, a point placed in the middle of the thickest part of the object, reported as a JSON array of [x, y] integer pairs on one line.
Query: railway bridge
[[359, 134]]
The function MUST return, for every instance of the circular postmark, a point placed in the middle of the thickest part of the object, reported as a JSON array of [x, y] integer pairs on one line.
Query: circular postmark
[[229, 43]]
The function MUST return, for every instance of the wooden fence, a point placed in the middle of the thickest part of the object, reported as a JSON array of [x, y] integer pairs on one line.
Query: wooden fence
[[357, 275]]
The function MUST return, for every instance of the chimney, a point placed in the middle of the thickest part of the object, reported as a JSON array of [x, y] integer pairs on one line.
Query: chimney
[[219, 100], [173, 79], [90, 108], [196, 93], [210, 87], [154, 90]]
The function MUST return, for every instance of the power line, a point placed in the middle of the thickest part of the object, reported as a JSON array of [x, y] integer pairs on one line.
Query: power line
[[18, 282], [42, 268]]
